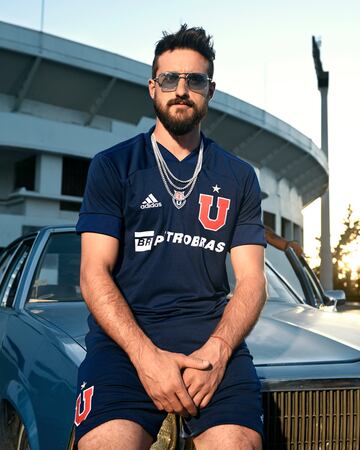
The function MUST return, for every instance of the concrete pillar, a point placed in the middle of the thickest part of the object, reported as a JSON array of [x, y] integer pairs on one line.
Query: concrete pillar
[[287, 229], [47, 183], [48, 174], [326, 277]]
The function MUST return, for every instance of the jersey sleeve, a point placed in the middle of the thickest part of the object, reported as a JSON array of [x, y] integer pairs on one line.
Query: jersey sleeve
[[249, 228], [102, 207]]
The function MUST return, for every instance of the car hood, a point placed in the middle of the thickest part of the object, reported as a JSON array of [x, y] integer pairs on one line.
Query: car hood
[[70, 317], [290, 334], [284, 334]]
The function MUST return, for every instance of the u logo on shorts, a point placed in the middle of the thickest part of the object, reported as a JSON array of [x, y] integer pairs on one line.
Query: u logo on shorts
[[87, 396]]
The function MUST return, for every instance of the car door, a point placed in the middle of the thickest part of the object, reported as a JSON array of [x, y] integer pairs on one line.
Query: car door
[[5, 259], [54, 307], [12, 361], [12, 263]]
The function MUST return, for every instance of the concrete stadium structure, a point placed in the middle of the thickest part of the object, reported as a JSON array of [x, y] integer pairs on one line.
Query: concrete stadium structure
[[62, 102]]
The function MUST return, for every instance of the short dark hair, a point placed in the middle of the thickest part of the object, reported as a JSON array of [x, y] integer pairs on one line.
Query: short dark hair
[[193, 38]]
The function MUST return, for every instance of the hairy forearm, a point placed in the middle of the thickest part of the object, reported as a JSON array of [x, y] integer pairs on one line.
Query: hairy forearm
[[239, 317], [243, 310], [113, 313]]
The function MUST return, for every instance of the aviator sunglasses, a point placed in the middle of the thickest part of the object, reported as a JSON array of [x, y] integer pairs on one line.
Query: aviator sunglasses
[[168, 81]]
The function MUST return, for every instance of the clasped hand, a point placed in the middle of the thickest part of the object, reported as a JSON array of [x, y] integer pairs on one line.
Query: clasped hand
[[181, 384], [202, 384]]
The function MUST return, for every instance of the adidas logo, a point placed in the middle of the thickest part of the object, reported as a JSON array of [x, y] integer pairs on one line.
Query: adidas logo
[[150, 202]]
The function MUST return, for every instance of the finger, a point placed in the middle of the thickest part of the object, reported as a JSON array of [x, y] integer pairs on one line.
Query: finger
[[206, 400], [178, 406], [188, 381], [194, 363], [159, 405], [167, 405], [193, 389], [197, 398], [187, 401], [173, 405]]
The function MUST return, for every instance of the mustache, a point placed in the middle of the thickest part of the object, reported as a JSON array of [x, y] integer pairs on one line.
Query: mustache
[[181, 101]]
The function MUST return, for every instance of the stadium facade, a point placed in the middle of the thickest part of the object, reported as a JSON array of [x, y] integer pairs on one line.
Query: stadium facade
[[61, 102]]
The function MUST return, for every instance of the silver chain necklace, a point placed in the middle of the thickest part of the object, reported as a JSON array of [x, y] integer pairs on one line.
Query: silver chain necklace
[[178, 196]]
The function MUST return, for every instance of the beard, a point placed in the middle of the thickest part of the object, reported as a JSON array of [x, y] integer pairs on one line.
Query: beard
[[179, 124]]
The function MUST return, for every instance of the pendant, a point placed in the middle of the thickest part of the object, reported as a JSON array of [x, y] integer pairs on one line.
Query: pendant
[[178, 199]]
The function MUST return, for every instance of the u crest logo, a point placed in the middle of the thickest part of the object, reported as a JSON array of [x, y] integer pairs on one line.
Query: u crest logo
[[87, 395], [223, 206]]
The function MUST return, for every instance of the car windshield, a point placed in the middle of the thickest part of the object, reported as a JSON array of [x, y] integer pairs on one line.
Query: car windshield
[[278, 291]]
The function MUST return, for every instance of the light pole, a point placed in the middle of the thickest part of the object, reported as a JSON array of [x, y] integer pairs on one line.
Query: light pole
[[42, 15], [326, 271]]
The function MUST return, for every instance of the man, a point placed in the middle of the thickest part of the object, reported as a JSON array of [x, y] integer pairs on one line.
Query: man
[[281, 243], [160, 212]]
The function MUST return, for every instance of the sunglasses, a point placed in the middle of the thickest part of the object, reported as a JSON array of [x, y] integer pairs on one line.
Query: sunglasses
[[168, 81]]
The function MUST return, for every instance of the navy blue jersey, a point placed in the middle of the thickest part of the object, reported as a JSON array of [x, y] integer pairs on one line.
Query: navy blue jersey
[[171, 264]]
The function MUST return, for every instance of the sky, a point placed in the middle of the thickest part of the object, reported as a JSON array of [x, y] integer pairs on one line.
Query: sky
[[263, 56]]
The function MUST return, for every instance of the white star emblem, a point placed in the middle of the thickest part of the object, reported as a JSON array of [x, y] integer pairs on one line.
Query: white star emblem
[[83, 385], [216, 188]]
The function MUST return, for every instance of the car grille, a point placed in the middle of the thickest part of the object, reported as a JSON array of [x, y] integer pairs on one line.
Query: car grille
[[312, 419], [305, 416]]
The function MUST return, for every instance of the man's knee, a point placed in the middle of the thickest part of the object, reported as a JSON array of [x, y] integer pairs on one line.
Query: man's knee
[[116, 434], [228, 437]]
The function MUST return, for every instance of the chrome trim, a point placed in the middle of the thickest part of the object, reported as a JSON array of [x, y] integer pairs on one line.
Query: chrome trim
[[311, 384]]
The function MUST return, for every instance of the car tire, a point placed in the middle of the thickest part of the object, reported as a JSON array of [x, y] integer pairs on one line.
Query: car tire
[[12, 431], [7, 419]]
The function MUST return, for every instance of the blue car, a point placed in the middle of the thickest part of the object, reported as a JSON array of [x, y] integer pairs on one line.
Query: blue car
[[307, 355]]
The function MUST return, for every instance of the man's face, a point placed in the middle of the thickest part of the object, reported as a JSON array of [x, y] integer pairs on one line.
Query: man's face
[[181, 110]]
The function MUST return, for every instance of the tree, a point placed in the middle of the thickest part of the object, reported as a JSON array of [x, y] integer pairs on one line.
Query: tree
[[342, 273]]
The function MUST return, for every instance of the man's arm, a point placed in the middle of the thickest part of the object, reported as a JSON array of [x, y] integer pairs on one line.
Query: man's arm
[[281, 243], [239, 317], [159, 371]]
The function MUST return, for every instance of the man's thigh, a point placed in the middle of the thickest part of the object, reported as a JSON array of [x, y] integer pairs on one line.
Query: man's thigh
[[116, 435], [228, 437]]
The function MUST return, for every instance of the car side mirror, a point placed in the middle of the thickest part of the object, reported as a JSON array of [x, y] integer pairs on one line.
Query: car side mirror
[[338, 296]]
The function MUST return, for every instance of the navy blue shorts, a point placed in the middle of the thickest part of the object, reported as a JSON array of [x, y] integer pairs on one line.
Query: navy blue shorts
[[109, 388]]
